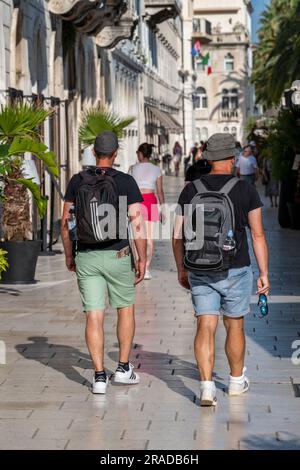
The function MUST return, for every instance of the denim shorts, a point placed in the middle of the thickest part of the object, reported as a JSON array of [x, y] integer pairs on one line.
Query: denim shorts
[[222, 293]]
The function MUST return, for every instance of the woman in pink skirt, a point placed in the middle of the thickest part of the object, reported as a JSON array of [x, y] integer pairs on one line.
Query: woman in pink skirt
[[150, 181]]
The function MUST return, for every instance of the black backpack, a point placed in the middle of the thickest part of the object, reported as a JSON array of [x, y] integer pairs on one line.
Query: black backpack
[[210, 252], [97, 222]]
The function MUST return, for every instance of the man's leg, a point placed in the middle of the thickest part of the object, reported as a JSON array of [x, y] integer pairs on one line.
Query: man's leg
[[125, 331], [235, 344], [205, 345], [94, 336]]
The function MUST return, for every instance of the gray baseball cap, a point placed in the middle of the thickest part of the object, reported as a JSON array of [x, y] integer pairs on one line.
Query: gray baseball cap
[[219, 147], [106, 143]]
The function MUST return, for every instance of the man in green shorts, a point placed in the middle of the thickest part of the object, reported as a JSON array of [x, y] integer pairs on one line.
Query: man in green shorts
[[103, 261]]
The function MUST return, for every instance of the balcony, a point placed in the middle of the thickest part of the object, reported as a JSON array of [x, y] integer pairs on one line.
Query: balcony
[[159, 11], [110, 21], [202, 30], [229, 115]]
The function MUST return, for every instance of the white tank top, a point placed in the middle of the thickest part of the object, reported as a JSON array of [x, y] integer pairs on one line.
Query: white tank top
[[145, 174]]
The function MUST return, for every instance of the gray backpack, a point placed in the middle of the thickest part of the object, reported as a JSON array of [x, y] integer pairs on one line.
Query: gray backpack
[[209, 226]]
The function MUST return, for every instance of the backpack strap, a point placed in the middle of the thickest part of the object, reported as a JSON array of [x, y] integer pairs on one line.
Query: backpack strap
[[200, 187], [229, 185]]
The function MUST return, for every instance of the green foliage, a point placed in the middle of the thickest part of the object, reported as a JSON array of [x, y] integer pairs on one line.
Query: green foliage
[[41, 202], [99, 119], [21, 120], [19, 134], [3, 261], [277, 58], [280, 143]]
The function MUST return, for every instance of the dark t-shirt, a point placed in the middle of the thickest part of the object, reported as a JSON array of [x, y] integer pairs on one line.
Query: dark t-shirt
[[244, 197], [127, 187], [198, 169]]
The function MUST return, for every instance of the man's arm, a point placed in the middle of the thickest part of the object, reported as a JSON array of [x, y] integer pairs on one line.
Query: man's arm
[[67, 243], [260, 249], [178, 250], [140, 239]]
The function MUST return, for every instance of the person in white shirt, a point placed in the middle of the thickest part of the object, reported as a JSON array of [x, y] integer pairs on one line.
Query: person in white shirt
[[246, 167], [150, 182]]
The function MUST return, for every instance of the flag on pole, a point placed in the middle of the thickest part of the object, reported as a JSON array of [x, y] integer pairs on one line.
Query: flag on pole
[[206, 61], [196, 51]]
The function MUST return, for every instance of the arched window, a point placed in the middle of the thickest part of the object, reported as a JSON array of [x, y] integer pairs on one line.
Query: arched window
[[198, 134], [230, 99], [204, 134], [226, 129], [201, 101], [234, 131], [229, 62], [225, 99], [234, 99]]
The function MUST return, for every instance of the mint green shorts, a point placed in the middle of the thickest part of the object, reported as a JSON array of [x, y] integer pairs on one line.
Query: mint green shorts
[[100, 271]]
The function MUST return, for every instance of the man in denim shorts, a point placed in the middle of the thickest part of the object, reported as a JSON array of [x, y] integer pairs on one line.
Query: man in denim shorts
[[226, 293]]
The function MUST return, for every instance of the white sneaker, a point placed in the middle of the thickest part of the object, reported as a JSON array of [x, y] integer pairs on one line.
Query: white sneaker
[[99, 385], [126, 377], [208, 393], [147, 276], [238, 385]]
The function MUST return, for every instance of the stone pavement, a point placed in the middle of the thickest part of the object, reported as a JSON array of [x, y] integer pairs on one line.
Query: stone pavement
[[45, 400]]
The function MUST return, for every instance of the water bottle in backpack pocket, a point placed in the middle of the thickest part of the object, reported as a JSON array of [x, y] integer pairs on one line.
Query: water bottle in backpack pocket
[[217, 227]]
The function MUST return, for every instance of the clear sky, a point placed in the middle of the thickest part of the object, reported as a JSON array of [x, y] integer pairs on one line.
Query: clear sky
[[259, 6]]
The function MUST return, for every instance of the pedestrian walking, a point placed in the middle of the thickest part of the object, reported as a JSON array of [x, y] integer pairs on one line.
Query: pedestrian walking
[[270, 183], [177, 156], [200, 166], [104, 198], [149, 178], [217, 268], [246, 166]]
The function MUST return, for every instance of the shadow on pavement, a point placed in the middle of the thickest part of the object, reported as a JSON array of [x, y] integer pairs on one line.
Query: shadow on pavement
[[61, 358], [10, 291], [64, 359], [280, 441], [155, 364]]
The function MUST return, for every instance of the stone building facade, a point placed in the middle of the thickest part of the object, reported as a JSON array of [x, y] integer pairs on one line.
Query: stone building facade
[[74, 54], [224, 98]]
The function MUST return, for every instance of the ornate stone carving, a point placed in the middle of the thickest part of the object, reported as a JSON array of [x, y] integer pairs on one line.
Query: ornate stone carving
[[110, 36], [159, 11]]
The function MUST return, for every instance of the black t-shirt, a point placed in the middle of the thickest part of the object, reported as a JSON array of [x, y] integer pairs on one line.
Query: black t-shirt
[[244, 197], [127, 186], [198, 169]]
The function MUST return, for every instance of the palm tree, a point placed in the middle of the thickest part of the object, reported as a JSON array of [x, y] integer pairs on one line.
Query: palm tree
[[19, 134], [277, 58], [100, 119]]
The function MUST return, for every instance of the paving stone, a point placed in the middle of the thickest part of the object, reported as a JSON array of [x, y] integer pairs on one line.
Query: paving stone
[[45, 399]]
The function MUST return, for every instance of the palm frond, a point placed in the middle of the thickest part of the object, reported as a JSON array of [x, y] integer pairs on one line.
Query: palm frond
[[94, 121], [21, 120]]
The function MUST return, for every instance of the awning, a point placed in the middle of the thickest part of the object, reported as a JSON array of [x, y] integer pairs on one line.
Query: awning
[[167, 120]]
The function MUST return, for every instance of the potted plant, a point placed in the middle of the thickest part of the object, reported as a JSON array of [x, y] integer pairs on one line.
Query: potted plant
[[99, 119], [3, 262], [19, 134]]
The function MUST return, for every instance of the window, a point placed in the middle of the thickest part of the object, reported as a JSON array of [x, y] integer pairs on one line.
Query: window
[[153, 47], [230, 99], [201, 101], [234, 131], [226, 129], [229, 63], [199, 66], [204, 134]]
